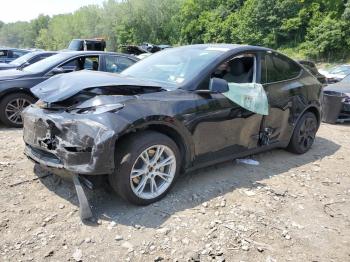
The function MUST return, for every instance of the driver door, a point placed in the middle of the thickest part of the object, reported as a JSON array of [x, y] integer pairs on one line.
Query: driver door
[[223, 128]]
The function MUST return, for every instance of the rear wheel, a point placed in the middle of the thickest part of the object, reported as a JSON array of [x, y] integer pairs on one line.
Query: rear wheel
[[147, 165], [304, 134], [11, 107]]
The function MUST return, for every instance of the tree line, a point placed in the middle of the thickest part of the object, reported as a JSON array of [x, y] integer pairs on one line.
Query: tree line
[[318, 29]]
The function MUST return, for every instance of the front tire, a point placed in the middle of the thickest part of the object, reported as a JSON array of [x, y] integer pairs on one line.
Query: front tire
[[146, 166], [11, 107], [304, 134]]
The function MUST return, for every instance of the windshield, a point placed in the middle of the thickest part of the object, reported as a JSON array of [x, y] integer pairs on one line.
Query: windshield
[[23, 59], [341, 70], [174, 67], [46, 63]]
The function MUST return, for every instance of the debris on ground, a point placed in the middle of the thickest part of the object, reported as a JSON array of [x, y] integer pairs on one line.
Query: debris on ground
[[247, 161]]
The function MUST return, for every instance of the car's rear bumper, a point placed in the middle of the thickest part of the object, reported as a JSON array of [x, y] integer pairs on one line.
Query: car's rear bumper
[[68, 142]]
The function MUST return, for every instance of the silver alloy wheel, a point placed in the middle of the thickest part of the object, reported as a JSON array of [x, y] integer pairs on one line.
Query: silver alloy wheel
[[153, 172], [14, 109]]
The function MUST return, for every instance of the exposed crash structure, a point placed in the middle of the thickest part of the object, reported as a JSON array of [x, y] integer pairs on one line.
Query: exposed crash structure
[[180, 109]]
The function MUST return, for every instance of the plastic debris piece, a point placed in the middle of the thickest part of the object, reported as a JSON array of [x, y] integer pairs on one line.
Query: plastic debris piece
[[248, 161]]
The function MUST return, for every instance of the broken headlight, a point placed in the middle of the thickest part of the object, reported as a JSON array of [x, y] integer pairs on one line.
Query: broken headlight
[[100, 109]]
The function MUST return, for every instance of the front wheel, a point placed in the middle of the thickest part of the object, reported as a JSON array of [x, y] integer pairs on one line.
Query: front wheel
[[147, 165], [11, 107], [304, 134]]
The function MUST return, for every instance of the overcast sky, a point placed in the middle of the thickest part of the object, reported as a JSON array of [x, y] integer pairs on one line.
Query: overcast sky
[[25, 10]]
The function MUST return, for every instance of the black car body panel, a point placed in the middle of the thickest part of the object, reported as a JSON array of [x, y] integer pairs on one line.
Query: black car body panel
[[309, 65], [207, 126]]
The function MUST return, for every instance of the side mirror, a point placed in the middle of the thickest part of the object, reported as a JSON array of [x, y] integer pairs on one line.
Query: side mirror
[[57, 70], [218, 85]]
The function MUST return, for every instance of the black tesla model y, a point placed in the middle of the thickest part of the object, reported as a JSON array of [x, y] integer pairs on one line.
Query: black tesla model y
[[177, 110]]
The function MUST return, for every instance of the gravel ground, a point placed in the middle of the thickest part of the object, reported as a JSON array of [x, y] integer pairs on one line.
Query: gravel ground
[[289, 208]]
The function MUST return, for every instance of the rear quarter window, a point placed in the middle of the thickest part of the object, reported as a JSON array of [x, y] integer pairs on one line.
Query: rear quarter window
[[275, 68]]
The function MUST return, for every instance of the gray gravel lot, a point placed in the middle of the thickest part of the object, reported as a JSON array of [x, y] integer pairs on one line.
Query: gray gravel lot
[[289, 208]]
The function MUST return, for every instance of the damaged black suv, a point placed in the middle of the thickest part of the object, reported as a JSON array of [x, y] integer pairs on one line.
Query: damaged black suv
[[177, 110]]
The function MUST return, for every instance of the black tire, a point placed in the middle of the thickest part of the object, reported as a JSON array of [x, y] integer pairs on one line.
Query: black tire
[[304, 134], [127, 154], [6, 101]]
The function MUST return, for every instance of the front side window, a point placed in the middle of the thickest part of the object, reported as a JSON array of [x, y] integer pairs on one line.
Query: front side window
[[240, 69], [81, 63], [276, 67], [239, 72]]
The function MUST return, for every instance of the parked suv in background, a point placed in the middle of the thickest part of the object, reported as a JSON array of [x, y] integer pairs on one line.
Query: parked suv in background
[[97, 44], [15, 85], [9, 54], [26, 60]]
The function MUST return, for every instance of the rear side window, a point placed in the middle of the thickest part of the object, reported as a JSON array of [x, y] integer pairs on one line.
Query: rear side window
[[116, 64], [124, 63], [275, 68]]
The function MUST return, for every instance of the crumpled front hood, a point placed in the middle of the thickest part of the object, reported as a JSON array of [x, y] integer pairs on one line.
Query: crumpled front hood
[[64, 86]]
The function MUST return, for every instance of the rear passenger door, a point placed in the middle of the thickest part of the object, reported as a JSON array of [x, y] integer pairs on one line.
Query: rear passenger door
[[280, 77]]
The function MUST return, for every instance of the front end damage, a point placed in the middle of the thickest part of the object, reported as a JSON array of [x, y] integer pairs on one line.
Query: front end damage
[[61, 140], [69, 146], [73, 128]]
